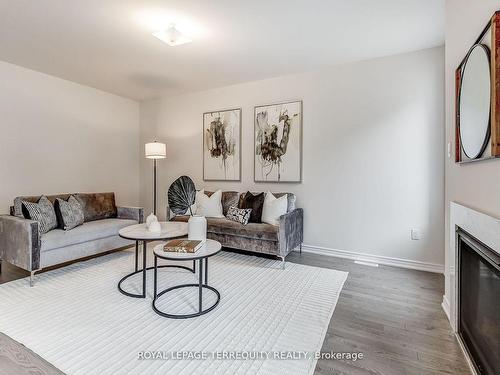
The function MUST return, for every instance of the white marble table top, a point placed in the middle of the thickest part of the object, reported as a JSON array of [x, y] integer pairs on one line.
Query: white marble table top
[[209, 248], [140, 232]]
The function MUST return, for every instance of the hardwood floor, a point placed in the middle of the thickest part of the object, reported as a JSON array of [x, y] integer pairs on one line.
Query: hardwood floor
[[16, 359], [392, 315]]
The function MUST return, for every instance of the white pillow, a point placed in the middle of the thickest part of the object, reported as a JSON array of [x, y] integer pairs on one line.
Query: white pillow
[[274, 208], [209, 206]]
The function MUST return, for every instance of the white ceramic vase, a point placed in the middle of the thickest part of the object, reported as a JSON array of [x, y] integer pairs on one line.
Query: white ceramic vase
[[151, 219], [197, 228]]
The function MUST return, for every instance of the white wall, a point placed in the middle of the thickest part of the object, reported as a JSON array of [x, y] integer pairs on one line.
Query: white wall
[[474, 185], [373, 150], [57, 136]]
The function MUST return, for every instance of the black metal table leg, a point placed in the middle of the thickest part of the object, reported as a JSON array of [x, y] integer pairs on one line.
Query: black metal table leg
[[194, 266], [136, 255], [200, 288], [144, 267], [206, 271], [155, 277]]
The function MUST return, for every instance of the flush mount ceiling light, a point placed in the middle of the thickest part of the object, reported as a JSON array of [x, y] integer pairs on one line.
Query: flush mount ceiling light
[[172, 36]]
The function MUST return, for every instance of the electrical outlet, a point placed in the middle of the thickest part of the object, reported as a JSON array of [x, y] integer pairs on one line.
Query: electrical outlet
[[416, 234]]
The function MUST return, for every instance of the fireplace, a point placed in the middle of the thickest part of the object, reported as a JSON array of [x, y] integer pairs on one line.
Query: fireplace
[[479, 302]]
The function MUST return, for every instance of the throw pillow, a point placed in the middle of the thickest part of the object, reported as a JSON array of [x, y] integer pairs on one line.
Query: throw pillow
[[69, 213], [209, 206], [255, 202], [274, 208], [240, 215], [43, 212]]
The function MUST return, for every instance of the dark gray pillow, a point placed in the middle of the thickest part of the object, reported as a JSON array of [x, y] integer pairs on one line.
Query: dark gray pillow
[[43, 212], [240, 215], [256, 203], [69, 213]]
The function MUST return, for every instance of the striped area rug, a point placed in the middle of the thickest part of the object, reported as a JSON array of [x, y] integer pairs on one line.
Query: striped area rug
[[76, 319]]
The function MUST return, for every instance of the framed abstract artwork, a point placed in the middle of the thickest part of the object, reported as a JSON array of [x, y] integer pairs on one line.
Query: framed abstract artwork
[[278, 142], [222, 145]]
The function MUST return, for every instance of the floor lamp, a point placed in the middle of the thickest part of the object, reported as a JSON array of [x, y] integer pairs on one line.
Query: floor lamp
[[155, 150]]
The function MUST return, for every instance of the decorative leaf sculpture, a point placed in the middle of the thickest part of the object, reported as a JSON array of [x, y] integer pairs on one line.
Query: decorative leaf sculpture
[[181, 195]]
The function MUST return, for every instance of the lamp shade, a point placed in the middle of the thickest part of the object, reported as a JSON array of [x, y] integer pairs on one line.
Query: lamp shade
[[156, 150]]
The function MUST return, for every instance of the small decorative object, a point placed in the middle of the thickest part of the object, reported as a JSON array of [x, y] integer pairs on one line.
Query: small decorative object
[[477, 112], [181, 195], [278, 142], [151, 219], [155, 151], [154, 227], [197, 228], [182, 246], [221, 145]]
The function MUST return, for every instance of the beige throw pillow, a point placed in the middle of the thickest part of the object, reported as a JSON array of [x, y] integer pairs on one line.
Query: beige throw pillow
[[209, 206], [274, 208]]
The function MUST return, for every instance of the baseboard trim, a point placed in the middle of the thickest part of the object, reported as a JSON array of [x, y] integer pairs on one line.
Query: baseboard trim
[[446, 307], [388, 261]]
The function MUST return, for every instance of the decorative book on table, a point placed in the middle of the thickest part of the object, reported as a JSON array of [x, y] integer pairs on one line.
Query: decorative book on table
[[182, 246]]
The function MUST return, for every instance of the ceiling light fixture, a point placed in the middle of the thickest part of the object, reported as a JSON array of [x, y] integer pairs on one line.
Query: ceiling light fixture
[[172, 36]]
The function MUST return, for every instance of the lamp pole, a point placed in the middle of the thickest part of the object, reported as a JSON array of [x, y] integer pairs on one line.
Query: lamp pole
[[155, 150], [154, 188]]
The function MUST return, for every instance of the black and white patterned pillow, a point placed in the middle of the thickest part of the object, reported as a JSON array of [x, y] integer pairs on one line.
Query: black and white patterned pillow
[[240, 215], [43, 212], [69, 213]]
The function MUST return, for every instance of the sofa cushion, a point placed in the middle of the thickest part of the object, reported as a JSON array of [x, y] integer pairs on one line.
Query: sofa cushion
[[209, 206], [291, 200], [229, 198], [89, 231], [256, 203], [225, 226], [18, 201], [274, 208], [240, 215], [97, 206], [69, 213], [43, 212]]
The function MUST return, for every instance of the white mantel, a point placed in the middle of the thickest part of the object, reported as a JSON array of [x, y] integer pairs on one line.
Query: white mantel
[[485, 228]]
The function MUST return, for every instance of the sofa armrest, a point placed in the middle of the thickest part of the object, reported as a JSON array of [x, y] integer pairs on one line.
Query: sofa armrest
[[132, 213], [20, 242], [291, 231]]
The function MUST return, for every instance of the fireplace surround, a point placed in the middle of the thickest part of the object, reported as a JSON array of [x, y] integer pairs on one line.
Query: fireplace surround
[[483, 231]]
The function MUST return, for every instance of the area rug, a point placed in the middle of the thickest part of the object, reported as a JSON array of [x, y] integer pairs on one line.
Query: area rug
[[268, 321]]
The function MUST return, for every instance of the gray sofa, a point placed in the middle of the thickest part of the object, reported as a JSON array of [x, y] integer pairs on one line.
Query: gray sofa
[[22, 245], [255, 237]]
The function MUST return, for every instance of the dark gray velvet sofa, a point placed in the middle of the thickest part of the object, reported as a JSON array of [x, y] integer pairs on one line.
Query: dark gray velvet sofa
[[22, 245], [278, 240]]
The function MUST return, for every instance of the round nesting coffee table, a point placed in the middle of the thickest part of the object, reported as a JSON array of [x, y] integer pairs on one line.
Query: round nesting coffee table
[[209, 249], [140, 233]]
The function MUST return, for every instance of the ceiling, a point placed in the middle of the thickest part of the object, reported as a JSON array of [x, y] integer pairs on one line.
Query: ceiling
[[107, 44]]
